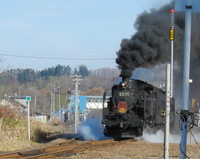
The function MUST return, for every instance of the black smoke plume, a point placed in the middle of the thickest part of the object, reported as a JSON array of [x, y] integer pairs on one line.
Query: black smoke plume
[[150, 45]]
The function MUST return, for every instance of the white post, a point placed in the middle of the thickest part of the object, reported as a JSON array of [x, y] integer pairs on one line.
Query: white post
[[59, 98], [29, 123], [167, 120]]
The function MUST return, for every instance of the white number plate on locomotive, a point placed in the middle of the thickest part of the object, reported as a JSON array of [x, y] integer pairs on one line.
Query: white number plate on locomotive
[[124, 94]]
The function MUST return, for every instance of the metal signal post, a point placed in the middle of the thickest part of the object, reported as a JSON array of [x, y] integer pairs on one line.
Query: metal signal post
[[171, 38], [169, 87]]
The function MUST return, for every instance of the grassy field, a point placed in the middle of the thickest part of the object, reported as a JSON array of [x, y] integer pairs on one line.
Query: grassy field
[[14, 131]]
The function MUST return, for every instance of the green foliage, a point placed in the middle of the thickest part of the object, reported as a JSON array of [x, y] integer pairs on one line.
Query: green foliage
[[26, 75], [12, 123], [83, 71], [55, 71], [7, 121], [29, 75]]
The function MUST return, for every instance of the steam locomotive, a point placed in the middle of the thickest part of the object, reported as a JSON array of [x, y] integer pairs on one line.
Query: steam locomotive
[[134, 106]]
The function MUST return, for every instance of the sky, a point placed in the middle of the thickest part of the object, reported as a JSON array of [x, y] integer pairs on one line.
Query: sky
[[39, 34]]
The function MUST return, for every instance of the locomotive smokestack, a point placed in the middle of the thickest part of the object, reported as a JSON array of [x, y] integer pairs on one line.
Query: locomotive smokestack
[[126, 73], [124, 76], [127, 81]]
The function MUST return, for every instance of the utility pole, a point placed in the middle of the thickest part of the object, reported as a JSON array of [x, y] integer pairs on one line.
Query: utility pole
[[51, 109], [59, 108], [76, 80], [186, 73], [19, 98], [187, 6], [35, 106]]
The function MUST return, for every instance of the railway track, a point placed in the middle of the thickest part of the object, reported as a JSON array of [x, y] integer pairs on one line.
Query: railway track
[[64, 149]]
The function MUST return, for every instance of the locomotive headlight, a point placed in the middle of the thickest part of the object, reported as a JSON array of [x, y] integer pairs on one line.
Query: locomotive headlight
[[123, 84], [122, 107]]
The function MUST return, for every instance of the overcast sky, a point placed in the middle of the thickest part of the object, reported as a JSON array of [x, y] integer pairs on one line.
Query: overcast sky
[[43, 33]]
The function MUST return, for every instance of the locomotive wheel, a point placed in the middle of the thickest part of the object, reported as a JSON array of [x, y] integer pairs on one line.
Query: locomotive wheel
[[117, 138]]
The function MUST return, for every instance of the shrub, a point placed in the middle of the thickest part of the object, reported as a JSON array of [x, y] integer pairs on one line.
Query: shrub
[[7, 112]]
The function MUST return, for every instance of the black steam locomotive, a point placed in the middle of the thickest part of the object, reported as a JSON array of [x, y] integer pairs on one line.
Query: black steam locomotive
[[134, 106]]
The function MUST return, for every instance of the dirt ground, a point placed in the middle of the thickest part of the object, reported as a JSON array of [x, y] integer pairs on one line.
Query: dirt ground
[[137, 150]]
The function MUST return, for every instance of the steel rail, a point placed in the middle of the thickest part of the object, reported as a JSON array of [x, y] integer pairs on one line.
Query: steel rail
[[66, 149]]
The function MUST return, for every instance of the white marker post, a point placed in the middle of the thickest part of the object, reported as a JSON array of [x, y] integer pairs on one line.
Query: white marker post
[[167, 114], [28, 99]]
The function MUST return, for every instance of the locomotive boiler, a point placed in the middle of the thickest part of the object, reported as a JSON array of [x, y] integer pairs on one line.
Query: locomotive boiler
[[134, 106]]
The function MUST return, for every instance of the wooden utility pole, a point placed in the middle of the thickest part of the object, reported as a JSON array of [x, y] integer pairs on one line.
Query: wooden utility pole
[[76, 80]]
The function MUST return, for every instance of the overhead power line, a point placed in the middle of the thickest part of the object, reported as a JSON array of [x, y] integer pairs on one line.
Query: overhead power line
[[58, 58]]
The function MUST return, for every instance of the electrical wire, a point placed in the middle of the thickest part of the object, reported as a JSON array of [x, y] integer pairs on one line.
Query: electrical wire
[[195, 139], [58, 58]]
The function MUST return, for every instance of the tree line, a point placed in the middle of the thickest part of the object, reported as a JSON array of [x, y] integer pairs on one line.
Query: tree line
[[30, 75], [57, 80]]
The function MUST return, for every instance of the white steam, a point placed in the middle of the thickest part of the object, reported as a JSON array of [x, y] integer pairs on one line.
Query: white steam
[[91, 130], [158, 137]]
